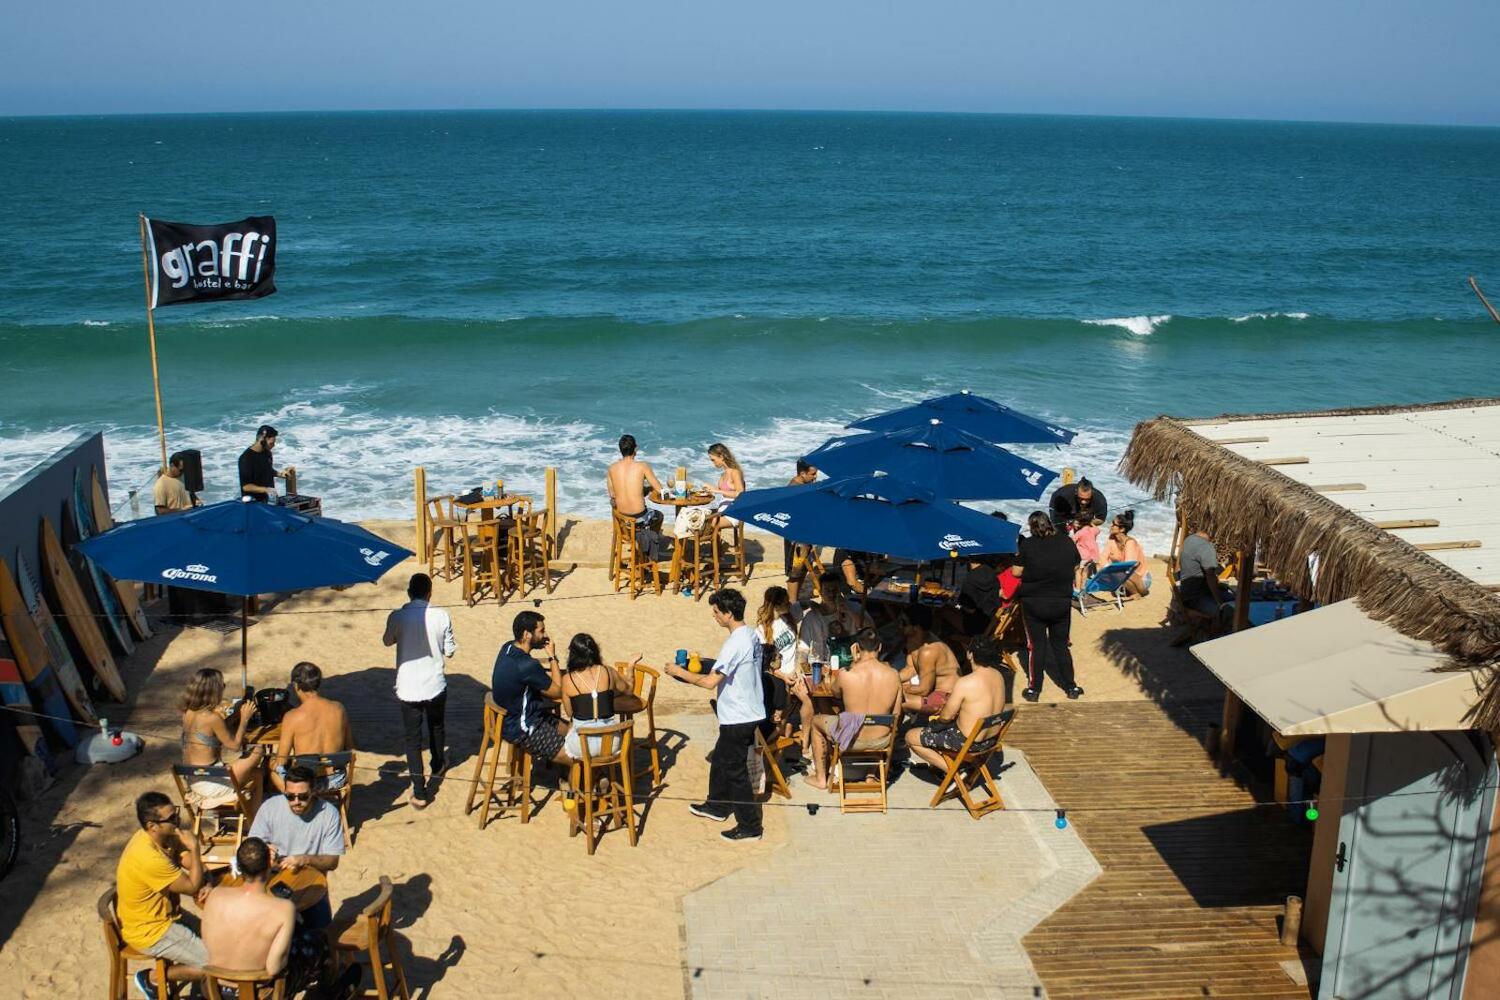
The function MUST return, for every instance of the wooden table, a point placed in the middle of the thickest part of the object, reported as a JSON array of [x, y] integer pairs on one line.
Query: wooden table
[[487, 506], [679, 545], [309, 885]]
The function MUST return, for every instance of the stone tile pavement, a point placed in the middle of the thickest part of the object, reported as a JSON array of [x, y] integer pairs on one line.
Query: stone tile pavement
[[916, 903]]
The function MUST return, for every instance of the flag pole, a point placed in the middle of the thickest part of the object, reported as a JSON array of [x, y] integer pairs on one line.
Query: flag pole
[[161, 427]]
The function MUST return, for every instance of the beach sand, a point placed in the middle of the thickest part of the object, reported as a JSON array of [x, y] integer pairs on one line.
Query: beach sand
[[515, 908]]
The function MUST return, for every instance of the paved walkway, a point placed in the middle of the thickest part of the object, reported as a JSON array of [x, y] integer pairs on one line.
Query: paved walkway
[[914, 903]]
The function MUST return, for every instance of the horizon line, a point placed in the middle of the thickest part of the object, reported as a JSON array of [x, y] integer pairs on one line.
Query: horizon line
[[35, 116]]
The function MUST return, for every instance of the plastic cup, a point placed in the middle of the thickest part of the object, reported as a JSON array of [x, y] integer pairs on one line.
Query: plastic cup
[[681, 658], [817, 674]]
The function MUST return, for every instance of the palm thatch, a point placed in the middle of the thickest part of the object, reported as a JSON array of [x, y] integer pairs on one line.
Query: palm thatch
[[1240, 503]]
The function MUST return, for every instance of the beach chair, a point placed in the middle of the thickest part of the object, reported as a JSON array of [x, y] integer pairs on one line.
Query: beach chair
[[1108, 582], [603, 787], [120, 954], [324, 765], [258, 985], [633, 568], [868, 793], [644, 687], [369, 935], [443, 557], [230, 813], [770, 753], [969, 769], [495, 750]]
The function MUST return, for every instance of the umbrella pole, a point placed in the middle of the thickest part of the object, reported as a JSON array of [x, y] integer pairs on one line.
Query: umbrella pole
[[244, 645]]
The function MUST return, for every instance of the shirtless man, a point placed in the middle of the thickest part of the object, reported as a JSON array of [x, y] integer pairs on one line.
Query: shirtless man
[[977, 695], [931, 670], [627, 481], [317, 726], [245, 927], [868, 687]]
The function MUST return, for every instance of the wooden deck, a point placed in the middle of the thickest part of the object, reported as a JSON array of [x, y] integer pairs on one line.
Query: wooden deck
[[1194, 876]]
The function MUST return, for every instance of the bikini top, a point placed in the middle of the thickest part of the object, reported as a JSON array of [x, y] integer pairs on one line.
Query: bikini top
[[593, 704], [206, 739]]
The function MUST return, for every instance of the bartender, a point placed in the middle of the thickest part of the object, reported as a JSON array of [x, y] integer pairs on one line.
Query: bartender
[[258, 474]]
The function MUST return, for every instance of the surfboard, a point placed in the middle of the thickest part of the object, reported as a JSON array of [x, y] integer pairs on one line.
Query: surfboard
[[114, 617], [125, 591], [13, 694], [30, 654], [57, 649], [76, 613]]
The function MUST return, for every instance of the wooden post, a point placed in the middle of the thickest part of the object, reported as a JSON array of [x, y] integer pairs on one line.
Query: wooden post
[[421, 519], [552, 507], [1291, 921], [161, 427], [291, 479]]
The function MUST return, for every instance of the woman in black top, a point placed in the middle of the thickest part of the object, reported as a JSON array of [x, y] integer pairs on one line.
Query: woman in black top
[[1045, 565]]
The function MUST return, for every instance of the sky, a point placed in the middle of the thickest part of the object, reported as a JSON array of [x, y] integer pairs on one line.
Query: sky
[[1341, 60]]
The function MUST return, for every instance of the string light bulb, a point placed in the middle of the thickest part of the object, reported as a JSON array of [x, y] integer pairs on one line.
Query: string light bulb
[[1312, 812], [1062, 819]]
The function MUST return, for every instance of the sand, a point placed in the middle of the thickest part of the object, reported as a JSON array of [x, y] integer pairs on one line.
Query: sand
[[514, 908]]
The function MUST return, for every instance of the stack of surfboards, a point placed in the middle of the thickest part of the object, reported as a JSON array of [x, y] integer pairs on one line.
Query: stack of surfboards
[[39, 674]]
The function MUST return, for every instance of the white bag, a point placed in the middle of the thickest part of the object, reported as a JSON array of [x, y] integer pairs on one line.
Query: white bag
[[690, 521]]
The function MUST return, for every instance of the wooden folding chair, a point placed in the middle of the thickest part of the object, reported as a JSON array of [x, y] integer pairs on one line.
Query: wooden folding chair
[[632, 568], [603, 789], [323, 767], [643, 686], [496, 751], [969, 769], [369, 935], [120, 954], [444, 527], [236, 814], [258, 985], [775, 778], [868, 793]]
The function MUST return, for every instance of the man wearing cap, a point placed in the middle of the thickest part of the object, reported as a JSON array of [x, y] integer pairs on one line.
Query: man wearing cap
[[1080, 498], [258, 474]]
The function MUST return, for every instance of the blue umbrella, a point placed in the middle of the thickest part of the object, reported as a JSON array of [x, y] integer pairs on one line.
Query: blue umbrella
[[953, 464], [979, 416], [876, 513], [243, 549]]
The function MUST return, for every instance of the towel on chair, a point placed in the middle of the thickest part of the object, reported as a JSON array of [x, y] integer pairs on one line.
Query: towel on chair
[[846, 729]]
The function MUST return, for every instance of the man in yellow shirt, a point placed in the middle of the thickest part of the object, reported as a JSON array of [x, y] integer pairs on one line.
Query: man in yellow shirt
[[169, 494], [160, 862]]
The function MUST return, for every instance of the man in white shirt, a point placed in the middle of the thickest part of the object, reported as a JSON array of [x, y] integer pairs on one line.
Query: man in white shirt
[[423, 637], [736, 676]]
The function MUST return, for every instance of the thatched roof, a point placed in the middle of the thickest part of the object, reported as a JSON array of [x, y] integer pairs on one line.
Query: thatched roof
[[1238, 501]]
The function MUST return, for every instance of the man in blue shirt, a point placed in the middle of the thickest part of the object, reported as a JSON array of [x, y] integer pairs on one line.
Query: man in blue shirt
[[736, 677], [529, 692]]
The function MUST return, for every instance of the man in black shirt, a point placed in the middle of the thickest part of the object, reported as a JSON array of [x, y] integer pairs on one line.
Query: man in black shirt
[[257, 473], [1068, 502]]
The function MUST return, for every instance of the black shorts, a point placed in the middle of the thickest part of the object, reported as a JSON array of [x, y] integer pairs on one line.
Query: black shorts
[[946, 737], [543, 741]]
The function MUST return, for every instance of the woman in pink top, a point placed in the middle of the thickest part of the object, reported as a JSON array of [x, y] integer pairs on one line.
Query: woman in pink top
[[1122, 548], [732, 482], [1086, 537]]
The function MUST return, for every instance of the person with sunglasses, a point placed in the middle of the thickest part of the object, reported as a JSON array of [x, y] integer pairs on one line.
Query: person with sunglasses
[[303, 831], [160, 863]]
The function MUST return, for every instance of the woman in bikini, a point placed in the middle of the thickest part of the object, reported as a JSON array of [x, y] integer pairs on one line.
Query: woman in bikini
[[1123, 548], [206, 736]]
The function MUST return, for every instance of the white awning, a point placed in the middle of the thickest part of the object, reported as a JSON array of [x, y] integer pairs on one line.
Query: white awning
[[1334, 670]]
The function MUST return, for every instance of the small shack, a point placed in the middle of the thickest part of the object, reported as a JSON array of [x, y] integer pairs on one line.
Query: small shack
[[1384, 521]]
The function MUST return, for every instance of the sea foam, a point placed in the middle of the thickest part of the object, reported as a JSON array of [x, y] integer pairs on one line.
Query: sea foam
[[1141, 326]]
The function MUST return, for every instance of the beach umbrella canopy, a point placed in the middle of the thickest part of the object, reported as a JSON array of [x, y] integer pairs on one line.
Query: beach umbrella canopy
[[954, 464], [874, 513], [979, 416], [242, 549]]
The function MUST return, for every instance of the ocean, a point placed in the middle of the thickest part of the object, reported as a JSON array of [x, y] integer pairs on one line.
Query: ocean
[[487, 294]]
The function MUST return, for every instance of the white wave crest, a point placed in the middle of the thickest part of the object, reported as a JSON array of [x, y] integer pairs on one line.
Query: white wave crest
[[96, 322], [1141, 326], [1268, 315]]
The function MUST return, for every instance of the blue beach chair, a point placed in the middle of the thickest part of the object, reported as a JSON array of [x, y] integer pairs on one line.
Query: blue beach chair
[[1108, 583]]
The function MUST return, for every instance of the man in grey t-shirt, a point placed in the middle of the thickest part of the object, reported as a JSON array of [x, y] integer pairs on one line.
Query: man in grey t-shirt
[[1198, 575], [303, 831]]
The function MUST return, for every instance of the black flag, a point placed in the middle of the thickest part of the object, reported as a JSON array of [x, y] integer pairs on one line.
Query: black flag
[[232, 260]]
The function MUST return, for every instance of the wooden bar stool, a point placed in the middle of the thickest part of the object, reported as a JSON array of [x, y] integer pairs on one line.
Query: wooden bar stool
[[700, 560], [734, 547], [603, 791], [120, 955], [644, 687], [633, 569], [258, 985], [530, 551], [370, 936], [485, 565], [444, 527], [496, 751]]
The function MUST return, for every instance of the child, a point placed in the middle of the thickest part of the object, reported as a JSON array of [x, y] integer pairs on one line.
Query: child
[[1086, 537]]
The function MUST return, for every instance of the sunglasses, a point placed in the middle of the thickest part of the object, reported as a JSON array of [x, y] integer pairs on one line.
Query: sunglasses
[[171, 817], [299, 796]]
